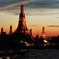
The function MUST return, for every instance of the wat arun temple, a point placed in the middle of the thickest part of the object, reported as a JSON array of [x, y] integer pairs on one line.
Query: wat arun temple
[[22, 28], [22, 34]]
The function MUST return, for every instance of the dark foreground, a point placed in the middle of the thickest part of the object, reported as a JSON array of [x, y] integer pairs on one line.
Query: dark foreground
[[24, 50], [38, 54]]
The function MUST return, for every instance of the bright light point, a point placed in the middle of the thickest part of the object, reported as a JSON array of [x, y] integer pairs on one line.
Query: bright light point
[[21, 41], [45, 41]]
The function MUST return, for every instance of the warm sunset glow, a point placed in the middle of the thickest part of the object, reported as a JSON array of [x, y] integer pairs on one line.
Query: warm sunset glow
[[32, 22], [36, 18]]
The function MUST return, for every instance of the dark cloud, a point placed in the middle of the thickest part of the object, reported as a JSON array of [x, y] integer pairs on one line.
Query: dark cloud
[[11, 5], [57, 17], [9, 2], [33, 3], [44, 4], [53, 26]]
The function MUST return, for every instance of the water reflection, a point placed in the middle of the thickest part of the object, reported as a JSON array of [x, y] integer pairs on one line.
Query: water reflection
[[37, 54]]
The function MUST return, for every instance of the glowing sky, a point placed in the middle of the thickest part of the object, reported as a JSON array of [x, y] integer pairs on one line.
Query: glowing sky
[[38, 13]]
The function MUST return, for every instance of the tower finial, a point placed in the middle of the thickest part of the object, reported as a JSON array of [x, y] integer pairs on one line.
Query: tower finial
[[22, 3]]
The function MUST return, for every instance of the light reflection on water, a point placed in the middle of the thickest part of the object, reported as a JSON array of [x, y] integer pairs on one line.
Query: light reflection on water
[[38, 54]]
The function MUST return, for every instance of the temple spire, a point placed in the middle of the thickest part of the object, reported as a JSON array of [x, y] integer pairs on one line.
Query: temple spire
[[22, 28], [22, 11], [43, 32], [22, 20], [22, 2], [43, 35], [10, 30]]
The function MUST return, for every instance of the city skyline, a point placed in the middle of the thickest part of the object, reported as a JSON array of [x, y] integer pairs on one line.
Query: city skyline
[[36, 18]]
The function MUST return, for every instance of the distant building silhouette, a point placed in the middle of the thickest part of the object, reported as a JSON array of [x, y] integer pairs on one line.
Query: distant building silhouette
[[1, 30], [37, 36], [31, 32], [2, 33], [10, 30]]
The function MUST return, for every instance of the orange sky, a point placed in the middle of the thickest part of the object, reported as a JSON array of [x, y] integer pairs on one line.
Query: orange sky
[[35, 22], [38, 13]]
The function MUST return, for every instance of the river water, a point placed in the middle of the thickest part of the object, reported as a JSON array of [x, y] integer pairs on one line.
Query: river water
[[39, 54]]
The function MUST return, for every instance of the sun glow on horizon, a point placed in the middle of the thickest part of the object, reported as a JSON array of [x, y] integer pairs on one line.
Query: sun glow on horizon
[[34, 22]]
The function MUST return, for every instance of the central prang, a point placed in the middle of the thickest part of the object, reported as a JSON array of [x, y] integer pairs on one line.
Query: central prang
[[22, 28]]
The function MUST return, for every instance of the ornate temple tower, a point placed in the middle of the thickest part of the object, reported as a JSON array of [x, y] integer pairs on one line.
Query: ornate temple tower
[[22, 20], [43, 35], [10, 30], [1, 30], [22, 28]]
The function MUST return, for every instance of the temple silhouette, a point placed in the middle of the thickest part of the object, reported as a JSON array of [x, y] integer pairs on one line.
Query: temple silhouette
[[21, 37], [22, 28], [21, 40]]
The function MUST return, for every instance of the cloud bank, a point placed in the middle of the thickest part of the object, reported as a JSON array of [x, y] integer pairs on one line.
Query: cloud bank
[[33, 25], [31, 5], [43, 4], [11, 4], [53, 26]]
